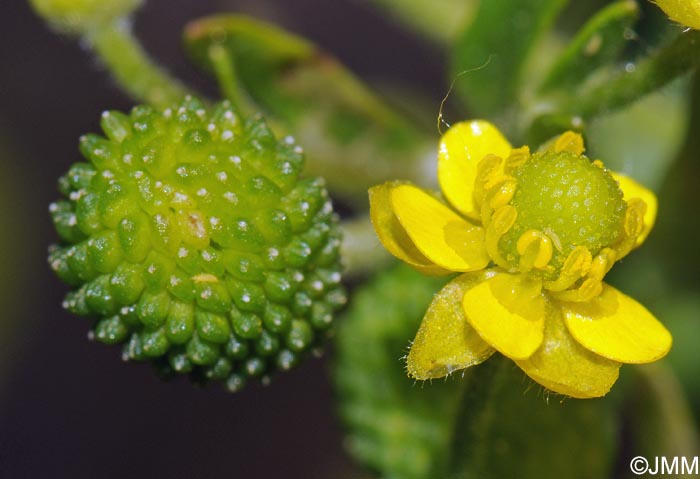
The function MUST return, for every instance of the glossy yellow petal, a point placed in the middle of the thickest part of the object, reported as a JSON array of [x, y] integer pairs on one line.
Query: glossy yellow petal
[[508, 313], [686, 12], [461, 149], [439, 233], [391, 233], [632, 189], [617, 327], [564, 366], [445, 341]]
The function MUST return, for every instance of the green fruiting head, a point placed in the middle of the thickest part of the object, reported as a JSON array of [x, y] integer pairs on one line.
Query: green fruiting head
[[191, 238], [571, 200]]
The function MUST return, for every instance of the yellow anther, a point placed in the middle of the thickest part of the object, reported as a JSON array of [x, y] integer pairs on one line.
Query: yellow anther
[[489, 167], [576, 265], [502, 220], [500, 192], [598, 164], [517, 157], [535, 249], [205, 278], [602, 264], [632, 227], [588, 290], [571, 142], [634, 217]]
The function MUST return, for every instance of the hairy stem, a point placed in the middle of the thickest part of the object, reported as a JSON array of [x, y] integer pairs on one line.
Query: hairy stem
[[132, 68]]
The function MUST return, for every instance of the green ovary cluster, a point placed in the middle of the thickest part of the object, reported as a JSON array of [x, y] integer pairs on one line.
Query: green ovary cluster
[[571, 200], [191, 239]]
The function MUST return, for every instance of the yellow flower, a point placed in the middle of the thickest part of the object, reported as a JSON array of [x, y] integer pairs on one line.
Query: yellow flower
[[533, 235], [685, 12]]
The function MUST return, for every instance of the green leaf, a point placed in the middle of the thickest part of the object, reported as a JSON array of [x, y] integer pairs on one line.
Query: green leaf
[[494, 49], [507, 429], [599, 42], [397, 426], [643, 139], [436, 19], [351, 137], [632, 81], [611, 88]]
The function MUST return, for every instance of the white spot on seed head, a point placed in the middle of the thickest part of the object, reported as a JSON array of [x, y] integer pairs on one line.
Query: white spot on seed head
[[202, 192], [180, 197], [227, 135]]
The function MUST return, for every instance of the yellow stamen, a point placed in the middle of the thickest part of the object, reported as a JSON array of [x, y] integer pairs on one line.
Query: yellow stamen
[[535, 249], [489, 167], [205, 278], [588, 290], [500, 192], [571, 142], [576, 265], [517, 157], [632, 227], [502, 220], [602, 264]]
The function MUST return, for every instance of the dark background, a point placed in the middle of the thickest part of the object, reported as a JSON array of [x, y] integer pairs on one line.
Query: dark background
[[71, 408]]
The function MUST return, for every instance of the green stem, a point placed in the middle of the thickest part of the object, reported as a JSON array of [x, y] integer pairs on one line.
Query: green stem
[[472, 424], [225, 72], [131, 66]]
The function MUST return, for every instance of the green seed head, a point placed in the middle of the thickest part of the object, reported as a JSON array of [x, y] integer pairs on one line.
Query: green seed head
[[571, 200], [192, 240]]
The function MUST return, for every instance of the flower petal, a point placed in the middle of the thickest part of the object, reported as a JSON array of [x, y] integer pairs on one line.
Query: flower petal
[[391, 233], [564, 366], [445, 341], [439, 233], [508, 313], [617, 327], [461, 149], [632, 189]]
